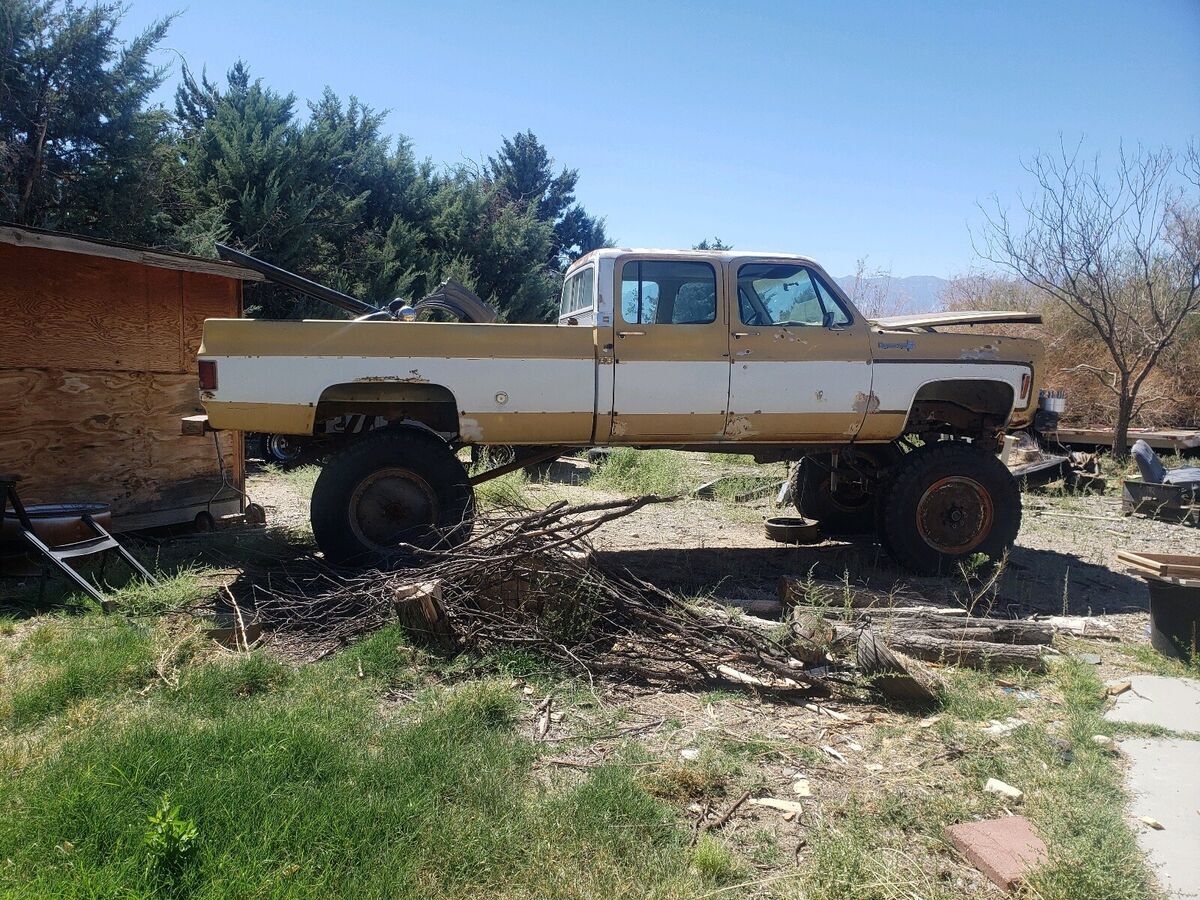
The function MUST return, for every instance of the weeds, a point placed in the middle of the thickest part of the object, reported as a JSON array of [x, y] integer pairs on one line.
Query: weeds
[[170, 842], [635, 472], [301, 479], [714, 862], [141, 598], [510, 490]]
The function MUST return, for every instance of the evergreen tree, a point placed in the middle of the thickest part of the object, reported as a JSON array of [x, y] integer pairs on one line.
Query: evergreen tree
[[523, 171], [79, 148]]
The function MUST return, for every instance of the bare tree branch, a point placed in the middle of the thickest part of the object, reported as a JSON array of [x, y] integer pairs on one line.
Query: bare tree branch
[[1122, 255]]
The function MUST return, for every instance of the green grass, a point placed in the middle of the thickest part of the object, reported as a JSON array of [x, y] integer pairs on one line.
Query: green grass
[[734, 486], [509, 490], [631, 471], [301, 479], [60, 663], [175, 591], [297, 784]]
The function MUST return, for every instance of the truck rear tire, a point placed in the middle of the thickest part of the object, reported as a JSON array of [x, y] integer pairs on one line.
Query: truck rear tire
[[948, 501], [392, 487], [851, 509]]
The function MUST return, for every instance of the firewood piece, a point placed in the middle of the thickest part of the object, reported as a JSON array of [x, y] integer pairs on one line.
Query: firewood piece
[[421, 613], [895, 675], [973, 654]]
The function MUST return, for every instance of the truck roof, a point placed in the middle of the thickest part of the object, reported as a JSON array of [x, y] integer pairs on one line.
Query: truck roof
[[722, 255]]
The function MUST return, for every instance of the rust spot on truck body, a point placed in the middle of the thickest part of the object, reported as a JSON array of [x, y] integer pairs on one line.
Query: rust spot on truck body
[[865, 403], [414, 377]]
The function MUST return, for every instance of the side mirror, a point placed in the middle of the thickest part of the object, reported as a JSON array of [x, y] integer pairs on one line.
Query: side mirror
[[829, 319]]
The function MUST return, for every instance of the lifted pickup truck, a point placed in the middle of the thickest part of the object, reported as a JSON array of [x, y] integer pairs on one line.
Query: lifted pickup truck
[[895, 425]]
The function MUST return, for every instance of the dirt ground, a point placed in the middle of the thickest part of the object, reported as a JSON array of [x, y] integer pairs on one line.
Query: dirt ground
[[704, 752], [1064, 561]]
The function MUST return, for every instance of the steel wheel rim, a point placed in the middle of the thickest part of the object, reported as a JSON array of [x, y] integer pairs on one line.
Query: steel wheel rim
[[853, 499], [281, 449], [955, 515], [392, 506]]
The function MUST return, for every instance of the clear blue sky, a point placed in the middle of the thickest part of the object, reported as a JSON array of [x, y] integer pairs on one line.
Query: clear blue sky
[[839, 129]]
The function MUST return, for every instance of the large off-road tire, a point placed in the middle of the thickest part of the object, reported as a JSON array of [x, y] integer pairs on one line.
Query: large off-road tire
[[851, 508], [948, 501], [391, 488]]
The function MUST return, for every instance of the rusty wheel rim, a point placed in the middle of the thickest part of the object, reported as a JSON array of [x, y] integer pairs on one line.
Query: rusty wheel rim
[[954, 515], [392, 506]]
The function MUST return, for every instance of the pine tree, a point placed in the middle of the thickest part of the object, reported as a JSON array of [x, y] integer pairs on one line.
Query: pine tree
[[79, 148]]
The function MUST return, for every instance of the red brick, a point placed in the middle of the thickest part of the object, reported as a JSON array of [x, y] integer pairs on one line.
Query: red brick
[[1002, 849]]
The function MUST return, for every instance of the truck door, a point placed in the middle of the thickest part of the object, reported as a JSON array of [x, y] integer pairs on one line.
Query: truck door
[[801, 359], [671, 352]]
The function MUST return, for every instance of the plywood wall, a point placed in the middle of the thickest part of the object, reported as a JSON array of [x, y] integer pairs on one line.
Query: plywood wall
[[97, 365]]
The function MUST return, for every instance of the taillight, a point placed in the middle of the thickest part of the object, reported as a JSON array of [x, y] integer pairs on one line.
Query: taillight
[[1026, 383], [208, 374]]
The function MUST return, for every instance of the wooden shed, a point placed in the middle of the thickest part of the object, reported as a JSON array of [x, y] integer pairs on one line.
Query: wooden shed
[[98, 346]]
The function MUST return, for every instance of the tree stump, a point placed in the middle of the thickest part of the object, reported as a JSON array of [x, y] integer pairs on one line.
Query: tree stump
[[420, 612]]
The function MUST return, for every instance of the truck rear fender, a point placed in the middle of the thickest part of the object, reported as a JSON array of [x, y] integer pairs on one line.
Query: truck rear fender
[[432, 405], [970, 407]]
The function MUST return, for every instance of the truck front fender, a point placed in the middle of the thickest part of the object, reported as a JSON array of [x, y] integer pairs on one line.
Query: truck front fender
[[969, 407]]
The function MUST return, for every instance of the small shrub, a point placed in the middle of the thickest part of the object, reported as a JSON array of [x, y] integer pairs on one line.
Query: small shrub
[[170, 842]]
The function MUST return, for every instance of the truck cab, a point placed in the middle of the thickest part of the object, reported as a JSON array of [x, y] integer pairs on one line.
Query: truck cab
[[731, 347]]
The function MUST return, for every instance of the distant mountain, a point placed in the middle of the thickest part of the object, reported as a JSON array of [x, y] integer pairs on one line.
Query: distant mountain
[[883, 294]]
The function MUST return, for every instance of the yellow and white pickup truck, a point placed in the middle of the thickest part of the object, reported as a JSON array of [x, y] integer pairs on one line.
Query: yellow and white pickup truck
[[727, 351]]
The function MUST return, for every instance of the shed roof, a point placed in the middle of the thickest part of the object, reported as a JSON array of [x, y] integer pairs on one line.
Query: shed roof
[[24, 236]]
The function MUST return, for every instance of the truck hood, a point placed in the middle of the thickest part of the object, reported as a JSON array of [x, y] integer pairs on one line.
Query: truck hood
[[966, 317]]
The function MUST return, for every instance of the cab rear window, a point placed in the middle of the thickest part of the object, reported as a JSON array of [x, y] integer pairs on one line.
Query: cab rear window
[[578, 293]]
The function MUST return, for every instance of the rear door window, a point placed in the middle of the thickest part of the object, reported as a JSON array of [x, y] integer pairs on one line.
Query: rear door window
[[665, 292]]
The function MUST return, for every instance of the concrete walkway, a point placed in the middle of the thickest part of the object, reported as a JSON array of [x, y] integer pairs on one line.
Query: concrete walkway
[[1164, 778]]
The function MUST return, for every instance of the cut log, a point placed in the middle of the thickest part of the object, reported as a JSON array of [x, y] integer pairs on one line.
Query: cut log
[[895, 675], [1002, 630], [420, 612], [943, 623], [973, 654]]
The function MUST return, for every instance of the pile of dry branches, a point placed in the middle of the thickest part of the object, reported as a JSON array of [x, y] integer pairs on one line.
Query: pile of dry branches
[[526, 579]]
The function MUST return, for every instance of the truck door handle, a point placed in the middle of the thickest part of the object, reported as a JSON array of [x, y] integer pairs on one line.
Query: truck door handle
[[630, 333], [742, 334]]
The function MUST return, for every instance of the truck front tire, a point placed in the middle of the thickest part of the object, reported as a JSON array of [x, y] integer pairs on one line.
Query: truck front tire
[[948, 501], [391, 488]]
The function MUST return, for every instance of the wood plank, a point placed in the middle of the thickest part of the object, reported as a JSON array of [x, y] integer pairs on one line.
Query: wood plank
[[205, 297], [66, 311], [112, 437], [1172, 564], [1159, 439]]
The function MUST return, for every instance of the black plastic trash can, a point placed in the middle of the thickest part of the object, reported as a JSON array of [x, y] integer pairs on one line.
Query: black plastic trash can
[[1174, 616]]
